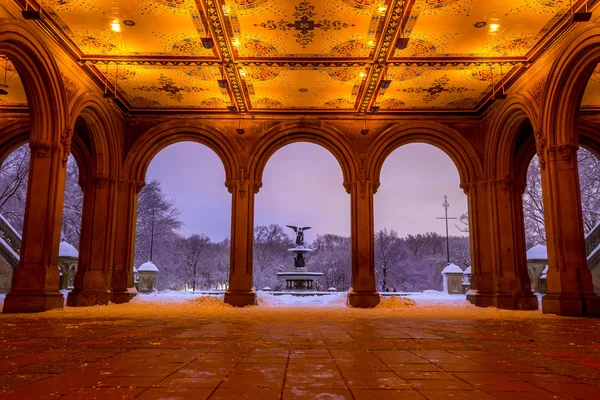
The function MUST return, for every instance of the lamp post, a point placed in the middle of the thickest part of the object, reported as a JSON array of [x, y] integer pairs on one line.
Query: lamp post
[[446, 206]]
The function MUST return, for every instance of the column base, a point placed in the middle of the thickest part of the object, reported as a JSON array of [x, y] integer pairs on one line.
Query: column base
[[32, 301], [86, 298], [363, 299], [505, 301], [122, 296], [240, 299], [572, 305]]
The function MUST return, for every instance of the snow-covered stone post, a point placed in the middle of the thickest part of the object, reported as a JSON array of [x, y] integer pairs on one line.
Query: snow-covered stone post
[[452, 279], [537, 261], [466, 279], [147, 272], [67, 264]]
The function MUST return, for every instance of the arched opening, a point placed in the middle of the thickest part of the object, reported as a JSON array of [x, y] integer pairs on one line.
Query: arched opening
[[411, 246], [302, 186], [183, 222], [13, 196]]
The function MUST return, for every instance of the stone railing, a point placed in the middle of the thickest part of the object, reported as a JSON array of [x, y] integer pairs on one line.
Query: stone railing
[[592, 247], [9, 239]]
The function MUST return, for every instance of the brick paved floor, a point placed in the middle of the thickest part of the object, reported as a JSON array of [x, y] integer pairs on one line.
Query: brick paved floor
[[291, 353]]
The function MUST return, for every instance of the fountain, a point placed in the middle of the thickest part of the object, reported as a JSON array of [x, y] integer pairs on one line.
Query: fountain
[[300, 278]]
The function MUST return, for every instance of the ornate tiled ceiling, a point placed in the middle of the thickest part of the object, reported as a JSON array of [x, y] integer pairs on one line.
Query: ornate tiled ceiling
[[313, 55]]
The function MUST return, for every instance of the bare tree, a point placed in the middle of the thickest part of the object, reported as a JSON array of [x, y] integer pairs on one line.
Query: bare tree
[[390, 252]]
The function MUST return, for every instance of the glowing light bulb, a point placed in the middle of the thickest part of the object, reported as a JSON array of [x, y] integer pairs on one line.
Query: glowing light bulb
[[235, 42], [242, 73], [226, 9], [362, 74], [115, 25], [382, 9], [371, 43], [494, 27]]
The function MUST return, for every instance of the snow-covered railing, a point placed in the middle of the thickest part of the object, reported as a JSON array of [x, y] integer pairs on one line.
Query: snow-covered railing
[[9, 236], [592, 247]]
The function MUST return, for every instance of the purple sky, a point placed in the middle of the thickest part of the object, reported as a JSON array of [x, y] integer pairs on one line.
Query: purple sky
[[302, 185]]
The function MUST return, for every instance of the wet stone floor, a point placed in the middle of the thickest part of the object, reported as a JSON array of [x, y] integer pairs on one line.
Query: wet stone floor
[[286, 353]]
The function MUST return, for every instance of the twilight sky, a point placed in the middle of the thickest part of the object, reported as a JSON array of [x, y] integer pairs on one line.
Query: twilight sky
[[302, 185]]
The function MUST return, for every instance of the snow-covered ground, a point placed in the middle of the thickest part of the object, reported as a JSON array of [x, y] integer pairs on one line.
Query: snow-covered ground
[[171, 304]]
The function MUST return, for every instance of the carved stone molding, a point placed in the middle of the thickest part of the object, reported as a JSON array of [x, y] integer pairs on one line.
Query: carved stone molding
[[65, 140], [564, 152], [41, 148]]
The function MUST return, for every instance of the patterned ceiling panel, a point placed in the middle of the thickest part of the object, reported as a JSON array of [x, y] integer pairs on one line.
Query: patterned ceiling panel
[[446, 88], [305, 28], [314, 55], [12, 85], [591, 96], [169, 87], [479, 28], [303, 88], [132, 27]]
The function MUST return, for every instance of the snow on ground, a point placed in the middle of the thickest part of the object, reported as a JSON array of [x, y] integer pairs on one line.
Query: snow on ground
[[171, 304]]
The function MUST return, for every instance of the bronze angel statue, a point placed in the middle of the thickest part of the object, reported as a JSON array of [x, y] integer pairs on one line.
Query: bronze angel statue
[[299, 234]]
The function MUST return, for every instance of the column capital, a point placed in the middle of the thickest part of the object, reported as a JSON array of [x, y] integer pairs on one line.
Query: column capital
[[42, 148], [562, 152]]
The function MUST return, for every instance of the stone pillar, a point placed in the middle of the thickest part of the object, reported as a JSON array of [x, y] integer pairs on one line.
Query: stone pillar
[[35, 286], [240, 292], [513, 286], [363, 292], [122, 267], [93, 278], [498, 238], [570, 289], [482, 269]]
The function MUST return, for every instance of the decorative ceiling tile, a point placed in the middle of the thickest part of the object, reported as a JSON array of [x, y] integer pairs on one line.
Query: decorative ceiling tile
[[11, 83], [169, 87], [304, 28], [303, 88], [132, 27]]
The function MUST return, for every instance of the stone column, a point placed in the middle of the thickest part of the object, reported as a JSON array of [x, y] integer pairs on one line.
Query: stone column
[[363, 292], [240, 292], [93, 277], [122, 267], [482, 275], [570, 289], [507, 231], [35, 285]]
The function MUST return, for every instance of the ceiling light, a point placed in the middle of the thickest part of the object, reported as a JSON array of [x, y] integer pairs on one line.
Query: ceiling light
[[494, 27], [386, 83], [115, 25], [382, 9], [402, 43], [207, 43], [235, 42], [242, 73], [303, 90], [362, 74], [371, 43], [226, 9]]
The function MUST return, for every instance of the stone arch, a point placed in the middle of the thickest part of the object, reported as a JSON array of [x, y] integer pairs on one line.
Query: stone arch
[[18, 133], [157, 138], [280, 136], [565, 87], [501, 147], [13, 135], [589, 137], [103, 147], [444, 138], [41, 80]]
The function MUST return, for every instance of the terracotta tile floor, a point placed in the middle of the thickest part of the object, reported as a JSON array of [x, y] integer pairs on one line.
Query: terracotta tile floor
[[287, 353]]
